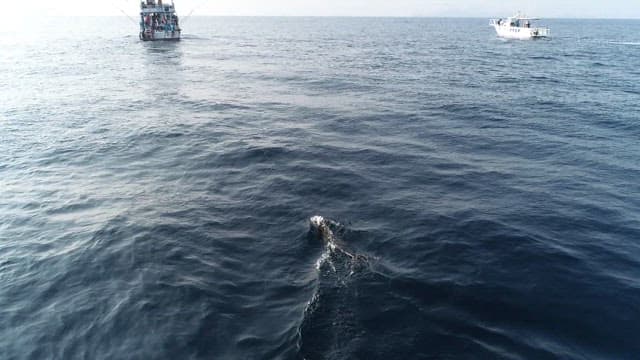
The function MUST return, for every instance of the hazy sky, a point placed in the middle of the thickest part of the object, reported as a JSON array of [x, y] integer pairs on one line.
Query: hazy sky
[[466, 8]]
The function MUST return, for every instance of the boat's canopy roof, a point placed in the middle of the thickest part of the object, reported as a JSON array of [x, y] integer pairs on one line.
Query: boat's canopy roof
[[522, 17], [158, 9]]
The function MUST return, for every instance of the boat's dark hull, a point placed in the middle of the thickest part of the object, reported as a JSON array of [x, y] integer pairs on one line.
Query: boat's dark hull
[[160, 36]]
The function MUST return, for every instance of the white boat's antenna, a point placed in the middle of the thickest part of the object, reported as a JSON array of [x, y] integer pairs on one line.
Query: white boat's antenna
[[122, 11], [192, 10]]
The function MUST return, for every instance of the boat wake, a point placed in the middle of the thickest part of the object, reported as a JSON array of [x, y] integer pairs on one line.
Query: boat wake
[[194, 37], [331, 324]]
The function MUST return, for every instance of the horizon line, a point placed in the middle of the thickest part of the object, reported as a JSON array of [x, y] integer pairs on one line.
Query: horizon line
[[363, 16]]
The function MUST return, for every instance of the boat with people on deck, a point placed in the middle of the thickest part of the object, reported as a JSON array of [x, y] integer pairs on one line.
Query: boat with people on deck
[[519, 27], [158, 21]]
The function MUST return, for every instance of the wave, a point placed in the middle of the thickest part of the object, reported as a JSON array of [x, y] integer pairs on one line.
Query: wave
[[628, 43]]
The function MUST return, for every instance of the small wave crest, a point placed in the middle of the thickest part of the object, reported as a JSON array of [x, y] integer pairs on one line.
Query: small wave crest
[[627, 43]]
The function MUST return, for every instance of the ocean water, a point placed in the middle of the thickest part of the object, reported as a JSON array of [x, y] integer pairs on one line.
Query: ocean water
[[482, 194]]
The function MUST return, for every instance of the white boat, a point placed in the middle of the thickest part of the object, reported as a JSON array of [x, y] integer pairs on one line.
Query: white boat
[[158, 21], [519, 27]]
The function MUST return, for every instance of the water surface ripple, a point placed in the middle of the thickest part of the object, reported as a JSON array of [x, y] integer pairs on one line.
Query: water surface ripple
[[155, 198]]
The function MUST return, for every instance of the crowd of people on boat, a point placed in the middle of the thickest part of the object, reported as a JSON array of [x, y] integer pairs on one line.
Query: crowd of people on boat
[[161, 22], [515, 23]]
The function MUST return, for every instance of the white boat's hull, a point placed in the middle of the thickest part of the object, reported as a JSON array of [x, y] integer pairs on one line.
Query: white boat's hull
[[160, 35], [520, 33]]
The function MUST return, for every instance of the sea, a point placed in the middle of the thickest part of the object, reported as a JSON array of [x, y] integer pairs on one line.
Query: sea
[[481, 196]]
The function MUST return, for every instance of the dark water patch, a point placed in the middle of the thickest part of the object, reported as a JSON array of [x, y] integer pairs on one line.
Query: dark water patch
[[247, 156], [208, 106], [544, 57], [546, 79], [634, 92]]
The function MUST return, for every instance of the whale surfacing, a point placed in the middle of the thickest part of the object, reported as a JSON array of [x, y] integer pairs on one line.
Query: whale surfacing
[[317, 221], [323, 226]]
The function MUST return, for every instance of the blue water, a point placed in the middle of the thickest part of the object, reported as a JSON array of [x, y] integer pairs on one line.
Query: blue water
[[155, 197]]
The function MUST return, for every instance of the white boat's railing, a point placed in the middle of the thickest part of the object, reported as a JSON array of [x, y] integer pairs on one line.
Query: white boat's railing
[[541, 32]]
